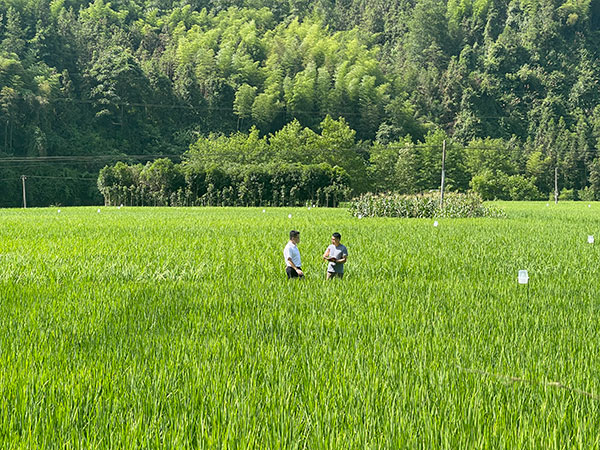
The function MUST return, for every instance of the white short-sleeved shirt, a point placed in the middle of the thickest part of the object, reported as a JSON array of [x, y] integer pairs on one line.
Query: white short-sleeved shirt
[[291, 251]]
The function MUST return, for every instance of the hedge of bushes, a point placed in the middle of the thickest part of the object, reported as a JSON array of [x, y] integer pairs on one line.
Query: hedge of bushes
[[163, 183], [421, 206]]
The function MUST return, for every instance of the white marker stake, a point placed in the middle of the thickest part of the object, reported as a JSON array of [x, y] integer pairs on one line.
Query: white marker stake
[[59, 211], [263, 210], [590, 239], [547, 204], [289, 216], [589, 206], [523, 277], [98, 210], [435, 223], [360, 216]]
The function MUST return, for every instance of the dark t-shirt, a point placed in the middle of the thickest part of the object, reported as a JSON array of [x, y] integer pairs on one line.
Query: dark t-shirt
[[337, 253]]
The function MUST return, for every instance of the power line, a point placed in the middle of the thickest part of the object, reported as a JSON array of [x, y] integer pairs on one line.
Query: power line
[[63, 178], [85, 157], [199, 108], [51, 178], [43, 161], [39, 162]]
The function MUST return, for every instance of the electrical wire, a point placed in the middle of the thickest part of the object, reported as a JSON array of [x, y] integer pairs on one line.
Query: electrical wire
[[62, 178]]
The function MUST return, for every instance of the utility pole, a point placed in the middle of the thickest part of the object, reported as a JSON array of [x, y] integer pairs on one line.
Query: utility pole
[[443, 174], [23, 178], [555, 185]]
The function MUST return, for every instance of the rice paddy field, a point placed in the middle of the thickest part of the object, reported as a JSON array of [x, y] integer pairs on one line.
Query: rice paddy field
[[176, 328]]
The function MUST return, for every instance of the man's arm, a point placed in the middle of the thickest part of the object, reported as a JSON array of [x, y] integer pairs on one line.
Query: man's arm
[[326, 254], [298, 271], [342, 260]]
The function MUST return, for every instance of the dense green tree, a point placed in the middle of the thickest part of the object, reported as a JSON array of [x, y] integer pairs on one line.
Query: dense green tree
[[383, 165], [96, 78], [244, 99], [405, 178], [294, 144], [14, 33]]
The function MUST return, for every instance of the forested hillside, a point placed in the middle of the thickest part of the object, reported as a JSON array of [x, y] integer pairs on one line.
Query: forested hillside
[[372, 86]]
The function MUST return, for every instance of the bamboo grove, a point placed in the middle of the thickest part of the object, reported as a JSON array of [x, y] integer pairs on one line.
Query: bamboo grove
[[136, 80]]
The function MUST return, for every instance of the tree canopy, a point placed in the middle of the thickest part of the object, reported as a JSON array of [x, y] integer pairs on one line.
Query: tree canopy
[[372, 87]]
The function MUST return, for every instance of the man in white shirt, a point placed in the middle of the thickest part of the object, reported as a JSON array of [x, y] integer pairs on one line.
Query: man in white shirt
[[291, 254]]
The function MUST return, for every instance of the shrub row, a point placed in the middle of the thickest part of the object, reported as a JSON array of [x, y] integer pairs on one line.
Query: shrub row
[[421, 206], [163, 183]]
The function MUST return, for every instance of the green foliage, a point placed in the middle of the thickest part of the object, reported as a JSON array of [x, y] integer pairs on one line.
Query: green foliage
[[239, 148], [162, 177], [194, 183], [176, 328], [383, 169], [567, 194], [540, 168], [594, 186], [490, 186], [244, 99], [455, 205], [335, 146], [405, 177], [493, 155], [499, 186], [512, 84], [586, 194], [522, 188]]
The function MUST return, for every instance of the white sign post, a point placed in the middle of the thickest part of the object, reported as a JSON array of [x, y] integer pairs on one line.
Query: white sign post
[[524, 279], [590, 239]]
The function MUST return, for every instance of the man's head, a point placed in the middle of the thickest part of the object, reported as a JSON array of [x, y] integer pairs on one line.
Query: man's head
[[336, 238], [295, 236]]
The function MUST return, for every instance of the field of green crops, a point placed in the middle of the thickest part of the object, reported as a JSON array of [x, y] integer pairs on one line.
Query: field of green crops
[[176, 328]]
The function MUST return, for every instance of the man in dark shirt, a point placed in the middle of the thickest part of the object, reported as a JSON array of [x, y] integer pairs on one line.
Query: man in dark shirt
[[337, 255]]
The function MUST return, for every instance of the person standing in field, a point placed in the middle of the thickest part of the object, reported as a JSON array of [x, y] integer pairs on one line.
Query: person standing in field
[[337, 255], [291, 254]]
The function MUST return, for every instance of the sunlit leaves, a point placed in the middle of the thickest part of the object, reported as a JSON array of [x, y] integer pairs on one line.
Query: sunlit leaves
[[176, 326]]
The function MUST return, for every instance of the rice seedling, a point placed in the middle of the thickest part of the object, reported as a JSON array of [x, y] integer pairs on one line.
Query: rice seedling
[[176, 328]]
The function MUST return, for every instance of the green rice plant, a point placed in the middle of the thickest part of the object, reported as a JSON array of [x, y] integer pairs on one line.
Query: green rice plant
[[176, 328]]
